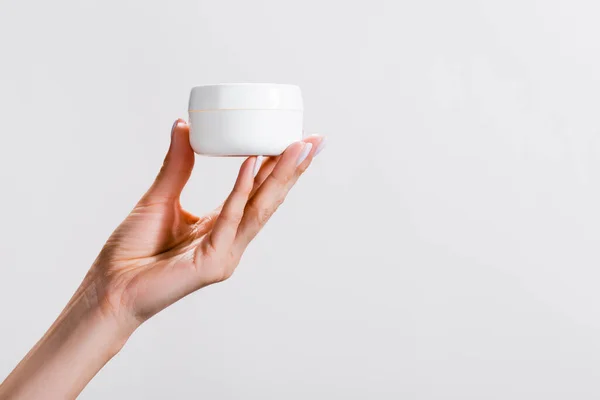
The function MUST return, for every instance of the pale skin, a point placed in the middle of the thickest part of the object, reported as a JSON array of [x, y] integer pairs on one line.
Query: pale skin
[[159, 254]]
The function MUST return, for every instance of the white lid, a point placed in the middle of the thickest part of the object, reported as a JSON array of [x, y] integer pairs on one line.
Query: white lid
[[244, 96]]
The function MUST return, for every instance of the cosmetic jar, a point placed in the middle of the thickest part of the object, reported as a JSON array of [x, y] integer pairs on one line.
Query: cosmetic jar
[[244, 119]]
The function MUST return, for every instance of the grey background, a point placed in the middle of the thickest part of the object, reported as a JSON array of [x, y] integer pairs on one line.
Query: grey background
[[443, 246]]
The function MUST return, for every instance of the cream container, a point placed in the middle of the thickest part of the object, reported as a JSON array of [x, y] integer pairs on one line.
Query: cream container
[[244, 119]]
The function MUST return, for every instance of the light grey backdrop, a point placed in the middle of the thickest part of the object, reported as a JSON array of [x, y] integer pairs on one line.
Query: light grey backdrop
[[444, 245]]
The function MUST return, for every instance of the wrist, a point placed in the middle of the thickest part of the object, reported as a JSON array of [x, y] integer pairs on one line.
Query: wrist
[[97, 309], [109, 334]]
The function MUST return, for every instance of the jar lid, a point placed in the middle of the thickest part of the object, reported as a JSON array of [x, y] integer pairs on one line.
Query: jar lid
[[245, 96]]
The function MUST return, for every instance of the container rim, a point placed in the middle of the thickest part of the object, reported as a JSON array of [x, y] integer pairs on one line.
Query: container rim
[[246, 84]]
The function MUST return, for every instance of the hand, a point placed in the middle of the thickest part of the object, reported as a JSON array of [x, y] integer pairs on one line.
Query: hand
[[161, 252], [158, 254]]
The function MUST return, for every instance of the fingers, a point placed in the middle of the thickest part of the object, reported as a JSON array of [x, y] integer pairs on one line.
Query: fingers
[[226, 225], [265, 170], [177, 166], [273, 189], [269, 163]]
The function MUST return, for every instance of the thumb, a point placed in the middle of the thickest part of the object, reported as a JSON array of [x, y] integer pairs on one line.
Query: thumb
[[177, 167]]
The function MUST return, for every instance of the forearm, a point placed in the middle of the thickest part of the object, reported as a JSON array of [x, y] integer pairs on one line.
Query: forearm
[[67, 357]]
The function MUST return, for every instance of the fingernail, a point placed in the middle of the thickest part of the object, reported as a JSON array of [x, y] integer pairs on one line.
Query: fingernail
[[257, 165], [177, 122], [321, 146], [173, 127], [305, 152]]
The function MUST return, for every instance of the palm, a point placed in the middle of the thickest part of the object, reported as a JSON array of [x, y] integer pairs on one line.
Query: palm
[[150, 258]]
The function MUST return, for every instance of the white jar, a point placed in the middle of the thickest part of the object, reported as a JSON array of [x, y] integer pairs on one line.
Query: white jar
[[244, 119]]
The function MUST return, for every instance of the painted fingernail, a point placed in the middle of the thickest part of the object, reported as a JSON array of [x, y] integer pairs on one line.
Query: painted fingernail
[[174, 126], [305, 152], [257, 165], [321, 146]]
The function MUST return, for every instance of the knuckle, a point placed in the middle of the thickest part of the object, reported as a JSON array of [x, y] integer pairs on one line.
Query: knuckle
[[225, 274], [233, 218], [263, 215], [278, 202], [230, 266], [281, 180], [260, 213]]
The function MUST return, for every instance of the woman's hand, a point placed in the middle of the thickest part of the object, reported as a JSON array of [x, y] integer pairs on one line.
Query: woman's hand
[[158, 254], [161, 252]]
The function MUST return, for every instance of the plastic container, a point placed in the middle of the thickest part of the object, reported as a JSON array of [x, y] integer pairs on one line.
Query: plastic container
[[245, 119]]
